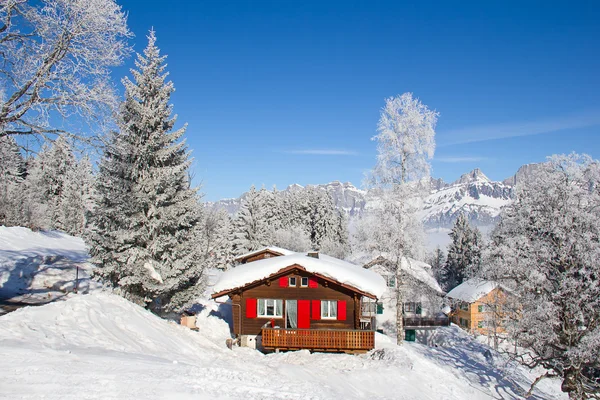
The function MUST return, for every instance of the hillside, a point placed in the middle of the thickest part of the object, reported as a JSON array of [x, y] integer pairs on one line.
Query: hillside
[[100, 346]]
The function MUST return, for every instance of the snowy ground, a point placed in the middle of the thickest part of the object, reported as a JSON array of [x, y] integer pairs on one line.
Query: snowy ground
[[39, 267], [100, 346]]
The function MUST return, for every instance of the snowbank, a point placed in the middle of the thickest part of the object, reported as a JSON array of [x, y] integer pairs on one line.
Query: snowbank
[[341, 271]]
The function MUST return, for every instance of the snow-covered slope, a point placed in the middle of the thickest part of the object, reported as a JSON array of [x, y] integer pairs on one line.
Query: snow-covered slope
[[37, 267], [100, 346]]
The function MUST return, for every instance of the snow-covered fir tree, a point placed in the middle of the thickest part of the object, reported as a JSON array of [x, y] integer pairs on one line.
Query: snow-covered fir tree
[[464, 254], [146, 236], [217, 230], [77, 199], [251, 231], [437, 260], [12, 173], [546, 250]]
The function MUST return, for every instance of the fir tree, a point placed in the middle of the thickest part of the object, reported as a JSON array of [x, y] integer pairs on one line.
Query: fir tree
[[250, 227], [464, 254], [146, 227]]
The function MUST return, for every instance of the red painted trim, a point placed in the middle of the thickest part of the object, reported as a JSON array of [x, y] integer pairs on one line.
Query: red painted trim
[[316, 309], [341, 310], [312, 283], [283, 281], [251, 308]]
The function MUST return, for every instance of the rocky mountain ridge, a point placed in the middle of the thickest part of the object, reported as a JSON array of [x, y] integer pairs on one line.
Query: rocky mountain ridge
[[473, 194]]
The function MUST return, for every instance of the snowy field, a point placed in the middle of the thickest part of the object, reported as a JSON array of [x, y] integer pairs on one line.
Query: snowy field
[[100, 346]]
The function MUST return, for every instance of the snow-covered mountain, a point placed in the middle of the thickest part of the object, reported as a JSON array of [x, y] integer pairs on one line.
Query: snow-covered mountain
[[473, 194]]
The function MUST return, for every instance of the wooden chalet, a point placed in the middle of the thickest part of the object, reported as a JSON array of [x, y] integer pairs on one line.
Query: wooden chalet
[[302, 301]]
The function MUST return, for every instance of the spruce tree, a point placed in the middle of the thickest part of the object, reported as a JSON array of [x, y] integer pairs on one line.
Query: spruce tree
[[464, 254], [250, 227], [146, 233]]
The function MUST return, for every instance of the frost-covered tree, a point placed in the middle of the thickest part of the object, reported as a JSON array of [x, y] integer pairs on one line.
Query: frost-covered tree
[[292, 238], [77, 200], [437, 260], [405, 143], [250, 225], [146, 228], [464, 254], [546, 250], [55, 58], [12, 171], [217, 230]]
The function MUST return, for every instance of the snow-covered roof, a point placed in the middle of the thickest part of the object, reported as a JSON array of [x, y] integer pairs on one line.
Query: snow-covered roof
[[330, 267], [282, 251], [472, 290], [417, 269]]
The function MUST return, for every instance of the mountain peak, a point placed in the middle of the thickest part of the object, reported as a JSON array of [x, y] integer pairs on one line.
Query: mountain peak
[[473, 176]]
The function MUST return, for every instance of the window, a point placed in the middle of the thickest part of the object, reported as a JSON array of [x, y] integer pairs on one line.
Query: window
[[328, 309], [304, 281], [270, 308], [481, 308], [412, 307], [293, 281], [391, 281], [464, 306], [481, 324]]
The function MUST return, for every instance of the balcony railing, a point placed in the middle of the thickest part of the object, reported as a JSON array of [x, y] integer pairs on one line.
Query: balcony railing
[[318, 339], [424, 322]]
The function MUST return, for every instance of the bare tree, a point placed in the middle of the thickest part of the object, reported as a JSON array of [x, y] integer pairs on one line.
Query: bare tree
[[55, 57]]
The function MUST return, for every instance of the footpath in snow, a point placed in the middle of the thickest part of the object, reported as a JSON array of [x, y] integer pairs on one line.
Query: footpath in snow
[[39, 267]]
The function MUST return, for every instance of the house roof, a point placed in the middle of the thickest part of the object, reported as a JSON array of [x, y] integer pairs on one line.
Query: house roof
[[417, 269], [273, 249], [472, 290], [340, 271]]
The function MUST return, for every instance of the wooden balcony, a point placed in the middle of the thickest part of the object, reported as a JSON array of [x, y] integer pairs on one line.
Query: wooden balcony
[[425, 322], [350, 341]]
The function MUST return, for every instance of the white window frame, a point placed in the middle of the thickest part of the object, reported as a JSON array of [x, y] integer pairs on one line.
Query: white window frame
[[262, 308], [290, 281], [302, 281], [329, 307]]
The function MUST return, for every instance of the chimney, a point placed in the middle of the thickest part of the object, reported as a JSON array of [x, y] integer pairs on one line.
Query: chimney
[[313, 254]]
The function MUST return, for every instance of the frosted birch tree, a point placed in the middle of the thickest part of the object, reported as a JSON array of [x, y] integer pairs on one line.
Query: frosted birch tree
[[146, 230], [405, 143], [546, 250], [55, 57]]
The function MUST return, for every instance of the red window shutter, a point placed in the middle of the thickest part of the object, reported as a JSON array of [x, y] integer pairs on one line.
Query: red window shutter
[[341, 311], [303, 314], [283, 281], [250, 308], [312, 283], [316, 310]]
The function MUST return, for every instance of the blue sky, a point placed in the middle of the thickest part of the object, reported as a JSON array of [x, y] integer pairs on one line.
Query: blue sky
[[284, 92]]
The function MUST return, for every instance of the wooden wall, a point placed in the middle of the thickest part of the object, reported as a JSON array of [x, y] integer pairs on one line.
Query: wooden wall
[[271, 290], [260, 256]]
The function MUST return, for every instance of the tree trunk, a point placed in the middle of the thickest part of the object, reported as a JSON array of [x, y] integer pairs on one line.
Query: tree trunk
[[399, 307]]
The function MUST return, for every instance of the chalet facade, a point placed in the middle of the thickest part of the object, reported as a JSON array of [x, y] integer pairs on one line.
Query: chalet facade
[[301, 301], [423, 296], [477, 306]]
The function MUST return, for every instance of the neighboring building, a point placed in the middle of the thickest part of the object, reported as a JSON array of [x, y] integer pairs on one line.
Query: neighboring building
[[477, 306], [423, 296], [260, 254], [301, 301]]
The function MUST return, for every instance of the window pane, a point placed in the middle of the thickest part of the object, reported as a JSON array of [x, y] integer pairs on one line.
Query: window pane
[[292, 281], [278, 308], [261, 307], [333, 309], [304, 281], [324, 310], [270, 308]]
